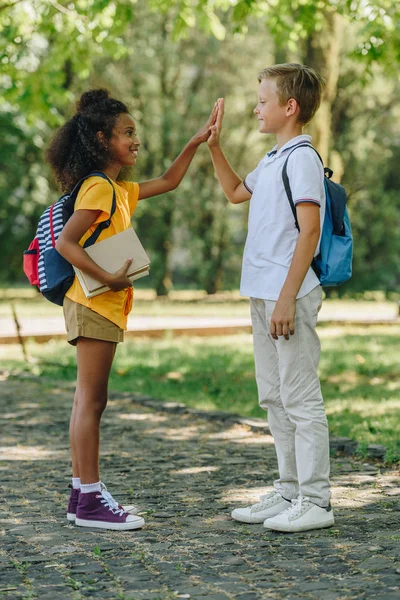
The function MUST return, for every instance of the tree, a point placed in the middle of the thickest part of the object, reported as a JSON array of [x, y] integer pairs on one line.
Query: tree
[[47, 43], [50, 50], [173, 86], [367, 133], [24, 189]]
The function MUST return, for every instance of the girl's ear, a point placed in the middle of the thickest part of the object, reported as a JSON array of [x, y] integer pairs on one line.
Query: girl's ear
[[101, 138]]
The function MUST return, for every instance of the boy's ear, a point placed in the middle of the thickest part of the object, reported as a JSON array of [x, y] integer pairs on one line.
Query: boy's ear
[[292, 107]]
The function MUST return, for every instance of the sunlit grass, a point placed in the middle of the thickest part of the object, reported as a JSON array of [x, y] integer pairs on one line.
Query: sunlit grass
[[360, 376], [29, 303]]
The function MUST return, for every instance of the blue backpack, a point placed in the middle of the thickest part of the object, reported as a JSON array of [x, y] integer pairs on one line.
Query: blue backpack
[[43, 265], [333, 265]]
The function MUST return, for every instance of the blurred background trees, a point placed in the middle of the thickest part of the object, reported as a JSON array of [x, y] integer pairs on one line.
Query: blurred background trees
[[170, 60]]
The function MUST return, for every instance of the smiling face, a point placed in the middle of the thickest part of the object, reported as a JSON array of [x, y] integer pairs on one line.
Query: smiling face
[[124, 143], [271, 115]]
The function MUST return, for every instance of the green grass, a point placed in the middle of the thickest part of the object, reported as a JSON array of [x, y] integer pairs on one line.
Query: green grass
[[360, 375], [28, 302]]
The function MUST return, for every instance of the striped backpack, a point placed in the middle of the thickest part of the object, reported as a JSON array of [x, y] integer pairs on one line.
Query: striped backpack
[[43, 265]]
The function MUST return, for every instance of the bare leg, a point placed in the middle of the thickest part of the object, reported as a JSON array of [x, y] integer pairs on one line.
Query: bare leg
[[94, 358], [74, 458]]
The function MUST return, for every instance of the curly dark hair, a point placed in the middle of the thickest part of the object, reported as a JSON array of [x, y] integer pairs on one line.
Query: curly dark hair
[[75, 149]]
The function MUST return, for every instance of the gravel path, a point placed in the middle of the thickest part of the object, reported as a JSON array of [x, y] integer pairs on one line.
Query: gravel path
[[186, 472]]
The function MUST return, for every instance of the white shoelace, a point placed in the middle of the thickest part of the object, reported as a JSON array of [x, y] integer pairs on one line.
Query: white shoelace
[[297, 507], [109, 501], [266, 501]]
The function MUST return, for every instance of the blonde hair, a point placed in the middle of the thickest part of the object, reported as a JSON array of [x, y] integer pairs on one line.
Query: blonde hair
[[299, 82]]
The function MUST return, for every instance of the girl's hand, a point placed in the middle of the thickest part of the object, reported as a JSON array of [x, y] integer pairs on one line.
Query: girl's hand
[[215, 129], [119, 280], [204, 132]]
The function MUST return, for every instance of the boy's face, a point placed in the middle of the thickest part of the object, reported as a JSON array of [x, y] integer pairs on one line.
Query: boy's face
[[271, 115], [124, 143]]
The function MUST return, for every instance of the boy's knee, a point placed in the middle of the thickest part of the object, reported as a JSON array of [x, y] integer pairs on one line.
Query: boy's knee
[[304, 416], [267, 401]]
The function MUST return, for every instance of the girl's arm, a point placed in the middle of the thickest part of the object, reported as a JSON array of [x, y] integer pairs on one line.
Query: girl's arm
[[68, 246], [176, 172]]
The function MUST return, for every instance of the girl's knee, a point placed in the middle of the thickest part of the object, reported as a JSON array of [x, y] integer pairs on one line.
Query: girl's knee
[[100, 405], [95, 403]]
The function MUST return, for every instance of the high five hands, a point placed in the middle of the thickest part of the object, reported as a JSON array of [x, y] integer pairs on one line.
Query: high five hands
[[212, 127], [216, 126]]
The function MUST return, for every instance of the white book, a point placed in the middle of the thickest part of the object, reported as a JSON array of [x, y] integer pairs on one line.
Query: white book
[[110, 254]]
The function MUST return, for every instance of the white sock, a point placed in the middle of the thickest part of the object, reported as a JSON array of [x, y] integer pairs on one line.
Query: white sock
[[76, 483], [86, 488]]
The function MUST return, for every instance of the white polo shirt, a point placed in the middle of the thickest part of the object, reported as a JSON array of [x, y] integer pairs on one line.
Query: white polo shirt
[[272, 233]]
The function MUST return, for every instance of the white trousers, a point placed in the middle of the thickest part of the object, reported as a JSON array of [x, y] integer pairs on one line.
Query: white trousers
[[289, 389]]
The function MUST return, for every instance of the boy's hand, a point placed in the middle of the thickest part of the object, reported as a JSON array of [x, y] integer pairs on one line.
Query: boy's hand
[[204, 132], [119, 280], [282, 320], [215, 128]]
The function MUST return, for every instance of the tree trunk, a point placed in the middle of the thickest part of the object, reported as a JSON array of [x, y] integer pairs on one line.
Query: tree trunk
[[162, 246], [163, 280], [214, 281], [323, 54]]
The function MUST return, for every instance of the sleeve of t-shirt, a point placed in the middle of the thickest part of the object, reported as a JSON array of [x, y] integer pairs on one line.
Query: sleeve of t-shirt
[[251, 179], [306, 176], [133, 193], [95, 194]]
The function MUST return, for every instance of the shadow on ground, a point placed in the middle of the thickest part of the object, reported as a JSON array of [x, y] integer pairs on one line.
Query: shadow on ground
[[186, 473]]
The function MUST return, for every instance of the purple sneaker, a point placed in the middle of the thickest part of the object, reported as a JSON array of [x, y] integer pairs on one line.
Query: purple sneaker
[[99, 509], [73, 503]]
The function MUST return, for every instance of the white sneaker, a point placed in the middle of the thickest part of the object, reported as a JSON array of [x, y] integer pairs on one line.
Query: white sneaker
[[302, 515], [270, 505]]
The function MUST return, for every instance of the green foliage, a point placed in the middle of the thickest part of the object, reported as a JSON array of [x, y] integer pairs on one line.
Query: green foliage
[[45, 44], [174, 58], [173, 86], [291, 21], [24, 188], [359, 377], [370, 155]]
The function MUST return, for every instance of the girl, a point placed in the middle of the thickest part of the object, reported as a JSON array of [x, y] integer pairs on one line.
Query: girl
[[101, 136]]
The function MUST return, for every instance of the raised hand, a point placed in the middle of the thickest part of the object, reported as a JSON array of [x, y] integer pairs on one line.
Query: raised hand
[[215, 128], [204, 132]]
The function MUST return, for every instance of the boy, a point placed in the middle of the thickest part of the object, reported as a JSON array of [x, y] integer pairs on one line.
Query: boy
[[285, 296]]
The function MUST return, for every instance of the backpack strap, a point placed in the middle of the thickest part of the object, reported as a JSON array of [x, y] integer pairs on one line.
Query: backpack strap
[[68, 206], [286, 184], [101, 226]]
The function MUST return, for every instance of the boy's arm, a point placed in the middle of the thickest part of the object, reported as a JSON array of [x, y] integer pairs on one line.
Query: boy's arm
[[282, 320], [233, 186], [176, 172]]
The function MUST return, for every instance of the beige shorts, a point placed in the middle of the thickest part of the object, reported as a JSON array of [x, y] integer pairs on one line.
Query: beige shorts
[[81, 321]]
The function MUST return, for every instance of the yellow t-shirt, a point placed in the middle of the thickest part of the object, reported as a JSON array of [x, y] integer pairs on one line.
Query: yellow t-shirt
[[96, 194]]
